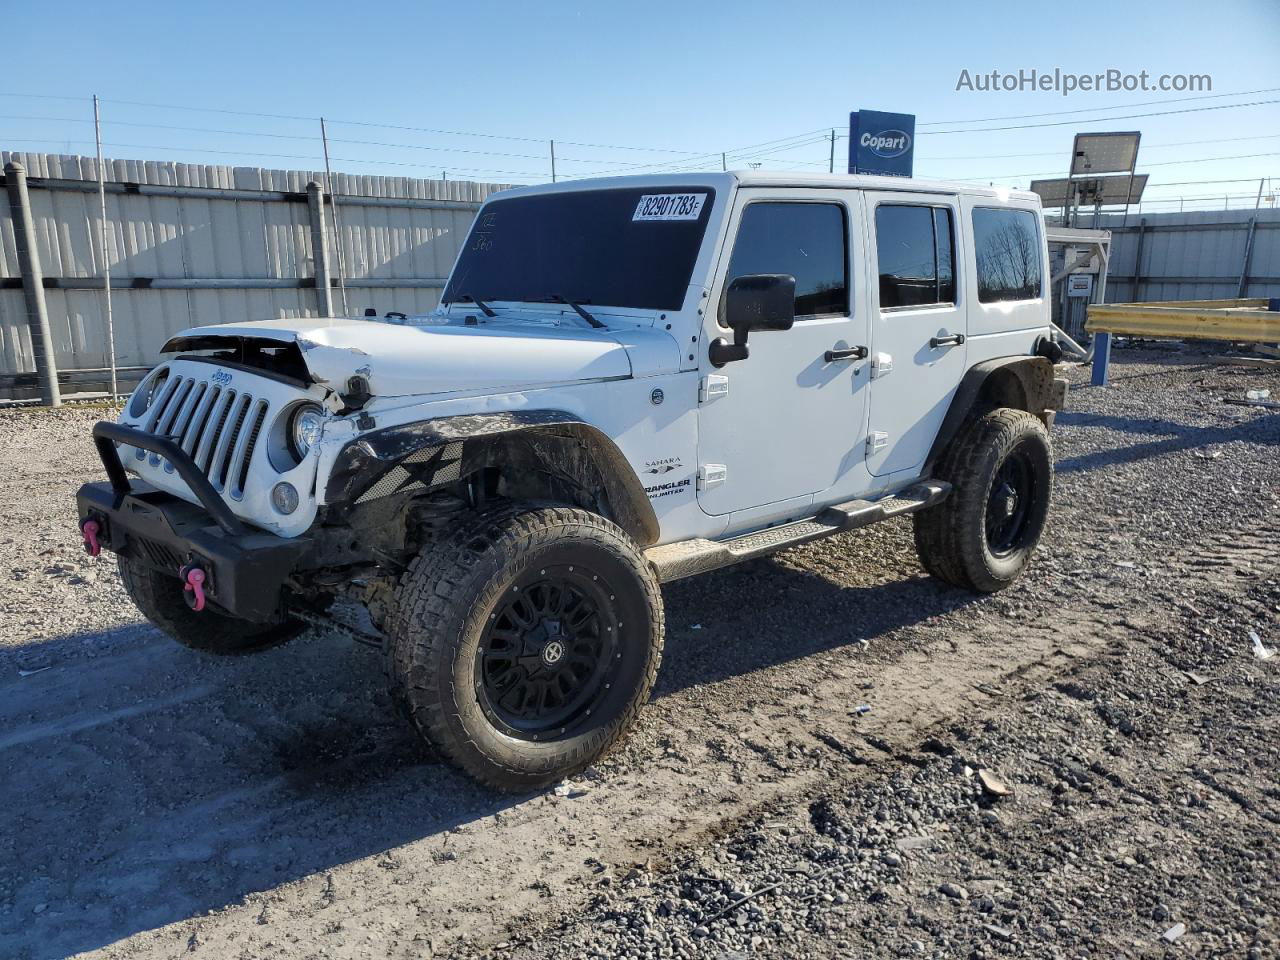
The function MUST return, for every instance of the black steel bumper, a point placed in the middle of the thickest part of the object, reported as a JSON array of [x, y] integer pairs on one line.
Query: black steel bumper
[[245, 569]]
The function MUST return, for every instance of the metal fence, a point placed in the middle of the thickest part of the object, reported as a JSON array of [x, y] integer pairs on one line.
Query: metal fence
[[1205, 255], [191, 244]]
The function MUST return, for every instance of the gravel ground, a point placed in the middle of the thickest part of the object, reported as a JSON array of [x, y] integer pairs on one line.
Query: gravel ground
[[161, 803]]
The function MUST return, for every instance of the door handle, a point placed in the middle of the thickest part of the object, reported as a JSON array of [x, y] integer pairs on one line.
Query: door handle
[[848, 353], [952, 341]]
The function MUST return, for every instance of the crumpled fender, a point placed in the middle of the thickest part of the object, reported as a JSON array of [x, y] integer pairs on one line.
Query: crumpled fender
[[427, 453]]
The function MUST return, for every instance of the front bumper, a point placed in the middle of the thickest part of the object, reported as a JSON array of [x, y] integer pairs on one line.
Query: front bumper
[[245, 569]]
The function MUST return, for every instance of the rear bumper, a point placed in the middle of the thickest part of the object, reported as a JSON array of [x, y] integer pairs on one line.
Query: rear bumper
[[245, 569]]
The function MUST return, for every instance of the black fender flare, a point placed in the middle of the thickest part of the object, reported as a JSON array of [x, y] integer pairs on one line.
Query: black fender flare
[[437, 449], [1033, 376]]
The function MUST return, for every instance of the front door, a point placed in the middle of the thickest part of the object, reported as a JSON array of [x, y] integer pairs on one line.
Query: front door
[[787, 421], [919, 326]]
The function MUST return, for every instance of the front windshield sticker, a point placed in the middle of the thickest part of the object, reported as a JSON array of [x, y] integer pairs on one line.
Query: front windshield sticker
[[669, 206]]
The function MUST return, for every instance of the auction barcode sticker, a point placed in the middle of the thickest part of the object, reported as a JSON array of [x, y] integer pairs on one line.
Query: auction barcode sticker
[[669, 206]]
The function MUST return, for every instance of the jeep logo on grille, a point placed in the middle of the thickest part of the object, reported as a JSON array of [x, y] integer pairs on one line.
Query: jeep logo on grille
[[221, 378]]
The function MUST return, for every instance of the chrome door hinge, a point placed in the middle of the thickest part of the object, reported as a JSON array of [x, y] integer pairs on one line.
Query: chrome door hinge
[[712, 475], [876, 442], [712, 387], [881, 364]]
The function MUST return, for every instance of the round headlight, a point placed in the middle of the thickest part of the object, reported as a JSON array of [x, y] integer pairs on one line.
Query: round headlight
[[304, 428], [147, 391]]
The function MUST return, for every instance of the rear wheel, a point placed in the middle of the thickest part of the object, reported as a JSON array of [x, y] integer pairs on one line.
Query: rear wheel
[[525, 644], [983, 535], [159, 597]]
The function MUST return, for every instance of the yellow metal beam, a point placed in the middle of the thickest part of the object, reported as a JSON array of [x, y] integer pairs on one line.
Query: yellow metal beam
[[1244, 320]]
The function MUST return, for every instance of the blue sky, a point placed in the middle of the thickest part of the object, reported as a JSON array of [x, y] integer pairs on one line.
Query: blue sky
[[693, 77]]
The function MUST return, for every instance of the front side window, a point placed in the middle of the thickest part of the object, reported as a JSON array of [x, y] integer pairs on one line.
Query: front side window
[[915, 249], [1007, 248], [806, 240]]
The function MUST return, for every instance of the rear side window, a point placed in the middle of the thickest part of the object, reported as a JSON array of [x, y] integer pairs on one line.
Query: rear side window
[[915, 249], [806, 240], [1007, 253]]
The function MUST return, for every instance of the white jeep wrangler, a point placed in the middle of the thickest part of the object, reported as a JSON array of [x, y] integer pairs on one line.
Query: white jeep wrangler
[[627, 381]]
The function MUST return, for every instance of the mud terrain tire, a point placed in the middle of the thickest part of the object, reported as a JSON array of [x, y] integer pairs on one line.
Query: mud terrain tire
[[982, 537], [525, 643]]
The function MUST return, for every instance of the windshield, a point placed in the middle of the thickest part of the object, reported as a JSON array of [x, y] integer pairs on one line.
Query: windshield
[[619, 248]]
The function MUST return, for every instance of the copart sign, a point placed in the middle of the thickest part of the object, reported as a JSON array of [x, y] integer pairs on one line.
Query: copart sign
[[881, 143]]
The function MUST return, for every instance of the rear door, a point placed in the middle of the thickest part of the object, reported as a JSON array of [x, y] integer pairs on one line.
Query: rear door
[[919, 326], [785, 423]]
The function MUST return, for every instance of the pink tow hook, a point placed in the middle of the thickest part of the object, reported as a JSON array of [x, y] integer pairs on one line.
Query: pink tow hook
[[90, 530], [193, 586]]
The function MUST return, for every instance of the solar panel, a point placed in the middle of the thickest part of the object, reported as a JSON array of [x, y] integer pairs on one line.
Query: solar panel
[[1095, 153], [1053, 193], [1111, 191], [1088, 192]]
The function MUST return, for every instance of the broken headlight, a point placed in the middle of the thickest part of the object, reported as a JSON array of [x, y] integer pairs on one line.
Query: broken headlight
[[305, 424], [147, 391]]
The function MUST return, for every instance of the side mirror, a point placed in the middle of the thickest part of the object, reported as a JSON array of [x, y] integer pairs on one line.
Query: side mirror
[[761, 301]]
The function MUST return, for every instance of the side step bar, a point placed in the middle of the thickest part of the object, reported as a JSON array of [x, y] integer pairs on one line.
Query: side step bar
[[673, 561]]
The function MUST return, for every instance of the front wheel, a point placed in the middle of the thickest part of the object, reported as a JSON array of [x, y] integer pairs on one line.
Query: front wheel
[[525, 644], [983, 535]]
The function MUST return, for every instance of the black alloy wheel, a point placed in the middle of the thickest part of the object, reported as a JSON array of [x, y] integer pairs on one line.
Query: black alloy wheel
[[547, 656], [1009, 504]]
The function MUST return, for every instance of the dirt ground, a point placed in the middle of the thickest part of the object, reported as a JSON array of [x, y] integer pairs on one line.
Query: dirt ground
[[159, 803]]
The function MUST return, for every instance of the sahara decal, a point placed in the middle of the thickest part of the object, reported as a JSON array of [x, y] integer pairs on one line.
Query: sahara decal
[[666, 465], [660, 468]]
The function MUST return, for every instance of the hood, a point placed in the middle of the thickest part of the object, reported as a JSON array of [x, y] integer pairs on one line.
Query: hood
[[414, 358]]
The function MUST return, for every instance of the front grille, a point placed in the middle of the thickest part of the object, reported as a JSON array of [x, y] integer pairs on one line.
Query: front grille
[[217, 427]]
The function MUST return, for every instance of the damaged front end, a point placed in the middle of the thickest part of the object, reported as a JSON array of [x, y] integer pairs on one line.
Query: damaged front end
[[343, 371]]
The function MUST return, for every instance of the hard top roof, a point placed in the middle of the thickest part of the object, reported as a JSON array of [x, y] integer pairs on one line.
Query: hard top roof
[[769, 178]]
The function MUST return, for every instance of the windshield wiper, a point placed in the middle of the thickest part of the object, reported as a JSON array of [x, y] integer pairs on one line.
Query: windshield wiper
[[484, 307], [577, 308]]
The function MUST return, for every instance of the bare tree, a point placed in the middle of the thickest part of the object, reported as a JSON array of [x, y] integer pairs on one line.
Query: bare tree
[[1009, 263]]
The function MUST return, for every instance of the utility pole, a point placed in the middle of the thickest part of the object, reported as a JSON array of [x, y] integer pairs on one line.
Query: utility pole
[[831, 163], [724, 163], [553, 161]]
